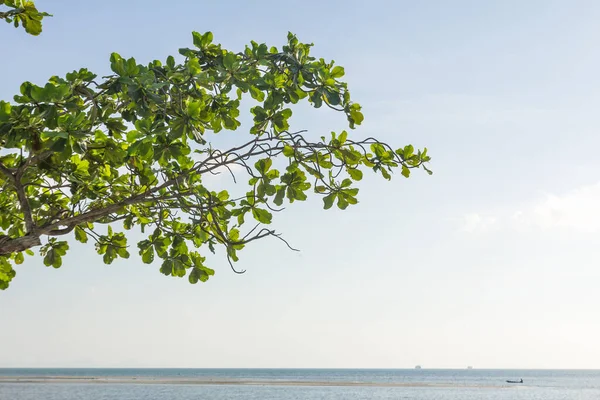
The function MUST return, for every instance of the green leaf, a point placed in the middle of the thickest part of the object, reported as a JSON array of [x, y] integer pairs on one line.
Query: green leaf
[[38, 94], [343, 136], [223, 195], [278, 200], [328, 200], [337, 72], [171, 62], [194, 276], [117, 64], [405, 171], [207, 39], [161, 245], [342, 203], [197, 39], [80, 235], [131, 67], [355, 174], [288, 151], [207, 271], [263, 165], [193, 66], [122, 252], [357, 117], [257, 94], [60, 145], [178, 268], [262, 216], [349, 197], [167, 267], [229, 60], [19, 258], [332, 97], [5, 110], [386, 174], [317, 98], [232, 253], [52, 259], [148, 255], [200, 273], [193, 109]]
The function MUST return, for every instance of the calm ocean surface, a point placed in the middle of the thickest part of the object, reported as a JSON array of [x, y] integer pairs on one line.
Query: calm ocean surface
[[459, 384]]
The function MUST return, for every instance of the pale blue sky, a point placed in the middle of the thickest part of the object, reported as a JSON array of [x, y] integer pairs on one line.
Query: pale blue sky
[[491, 262]]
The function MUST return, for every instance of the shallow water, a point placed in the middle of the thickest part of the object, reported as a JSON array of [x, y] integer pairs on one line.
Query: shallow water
[[267, 384]]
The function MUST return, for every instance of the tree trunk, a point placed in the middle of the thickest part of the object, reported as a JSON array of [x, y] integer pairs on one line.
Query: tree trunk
[[9, 246]]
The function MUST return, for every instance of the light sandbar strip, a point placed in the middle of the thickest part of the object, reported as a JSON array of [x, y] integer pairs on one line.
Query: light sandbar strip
[[246, 382]]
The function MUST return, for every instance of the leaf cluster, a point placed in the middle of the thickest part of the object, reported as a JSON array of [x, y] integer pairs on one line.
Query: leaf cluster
[[23, 13]]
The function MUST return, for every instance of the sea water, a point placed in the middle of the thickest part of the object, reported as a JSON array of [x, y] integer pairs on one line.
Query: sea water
[[423, 384]]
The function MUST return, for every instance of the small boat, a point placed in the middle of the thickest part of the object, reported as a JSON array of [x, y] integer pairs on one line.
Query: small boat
[[521, 381], [418, 367]]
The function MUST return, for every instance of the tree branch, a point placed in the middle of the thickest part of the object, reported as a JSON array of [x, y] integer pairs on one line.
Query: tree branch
[[7, 172], [10, 14], [15, 179], [9, 246], [33, 160], [64, 231]]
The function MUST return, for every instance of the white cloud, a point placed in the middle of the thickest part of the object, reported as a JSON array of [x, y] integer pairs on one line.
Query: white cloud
[[474, 222], [575, 211]]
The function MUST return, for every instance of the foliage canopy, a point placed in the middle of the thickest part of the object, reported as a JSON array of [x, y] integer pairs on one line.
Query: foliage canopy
[[131, 150]]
